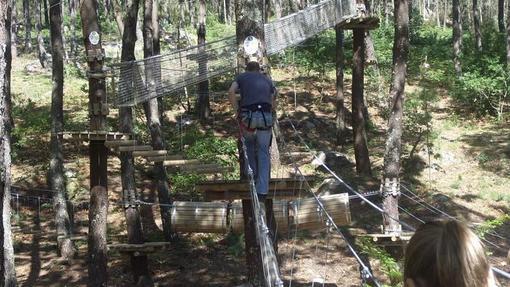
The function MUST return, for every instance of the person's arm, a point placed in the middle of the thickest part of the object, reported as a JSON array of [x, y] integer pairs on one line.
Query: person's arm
[[232, 96]]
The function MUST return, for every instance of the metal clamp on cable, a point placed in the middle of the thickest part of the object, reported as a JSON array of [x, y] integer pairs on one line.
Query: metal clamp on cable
[[391, 186], [129, 198]]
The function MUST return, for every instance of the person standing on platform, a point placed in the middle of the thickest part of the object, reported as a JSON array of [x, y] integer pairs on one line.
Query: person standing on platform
[[254, 113]]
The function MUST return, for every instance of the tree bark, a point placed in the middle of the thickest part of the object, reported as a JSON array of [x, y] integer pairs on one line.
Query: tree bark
[[41, 50], [340, 115], [457, 37], [7, 270], [28, 26], [358, 119], [476, 22], [277, 8], [57, 180], [14, 29], [117, 10], [46, 14], [154, 124], [97, 249], [370, 57], [508, 38], [501, 16], [72, 13], [203, 106], [139, 263], [393, 151]]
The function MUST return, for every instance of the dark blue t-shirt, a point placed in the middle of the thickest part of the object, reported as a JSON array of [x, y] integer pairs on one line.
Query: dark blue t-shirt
[[256, 88]]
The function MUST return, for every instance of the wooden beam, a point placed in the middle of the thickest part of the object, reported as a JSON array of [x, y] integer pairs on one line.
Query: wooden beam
[[142, 248], [361, 22], [163, 157], [179, 162], [150, 153], [117, 143], [95, 135], [135, 148]]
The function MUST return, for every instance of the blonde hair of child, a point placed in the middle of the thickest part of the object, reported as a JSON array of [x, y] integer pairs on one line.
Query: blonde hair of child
[[446, 253]]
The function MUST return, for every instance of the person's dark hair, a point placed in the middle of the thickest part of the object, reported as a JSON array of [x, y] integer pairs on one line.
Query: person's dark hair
[[253, 66], [446, 253]]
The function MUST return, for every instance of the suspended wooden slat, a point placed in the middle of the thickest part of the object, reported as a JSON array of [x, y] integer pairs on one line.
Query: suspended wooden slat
[[235, 189], [135, 148], [142, 248], [306, 213], [281, 214], [117, 143], [179, 162], [162, 156], [207, 217], [96, 135]]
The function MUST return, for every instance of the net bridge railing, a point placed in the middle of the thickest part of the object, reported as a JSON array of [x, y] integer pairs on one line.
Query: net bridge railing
[[139, 81]]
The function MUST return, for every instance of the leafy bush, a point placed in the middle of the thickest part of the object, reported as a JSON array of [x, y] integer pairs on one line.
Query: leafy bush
[[389, 265]]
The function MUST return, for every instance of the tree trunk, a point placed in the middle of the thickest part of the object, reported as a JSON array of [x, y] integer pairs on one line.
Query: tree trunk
[[476, 22], [358, 120], [117, 10], [72, 13], [393, 151], [508, 38], [28, 26], [370, 57], [203, 106], [139, 263], [501, 16], [97, 249], [156, 42], [277, 8], [46, 14], [153, 121], [7, 270], [97, 245], [340, 115], [457, 36], [41, 51], [57, 180], [14, 29]]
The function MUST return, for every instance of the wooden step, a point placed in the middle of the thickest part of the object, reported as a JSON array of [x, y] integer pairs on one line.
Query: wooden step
[[135, 148], [142, 248], [211, 170], [150, 153], [117, 143], [165, 157], [180, 162]]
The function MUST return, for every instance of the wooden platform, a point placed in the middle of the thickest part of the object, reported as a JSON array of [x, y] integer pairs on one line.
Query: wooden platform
[[360, 22], [236, 189], [390, 239], [94, 135], [141, 248]]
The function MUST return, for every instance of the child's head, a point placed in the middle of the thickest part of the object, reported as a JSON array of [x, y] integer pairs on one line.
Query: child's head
[[445, 253]]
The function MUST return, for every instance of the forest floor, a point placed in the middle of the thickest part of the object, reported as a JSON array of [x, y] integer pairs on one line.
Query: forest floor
[[465, 171]]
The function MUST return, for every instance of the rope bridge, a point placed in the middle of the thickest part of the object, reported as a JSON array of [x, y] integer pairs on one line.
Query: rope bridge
[[142, 80]]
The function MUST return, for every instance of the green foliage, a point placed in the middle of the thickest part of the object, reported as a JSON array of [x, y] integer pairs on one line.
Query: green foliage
[[490, 225], [418, 118], [389, 265], [235, 244]]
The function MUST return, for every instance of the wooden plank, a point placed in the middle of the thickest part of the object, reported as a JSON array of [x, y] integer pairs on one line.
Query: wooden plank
[[236, 189], [135, 148], [206, 169], [96, 135], [179, 162], [233, 195], [361, 22], [144, 247], [116, 143], [157, 158]]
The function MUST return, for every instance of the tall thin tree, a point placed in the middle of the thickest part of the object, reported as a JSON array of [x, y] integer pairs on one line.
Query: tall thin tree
[[14, 29], [501, 16], [340, 108], [139, 262], [203, 105], [7, 270], [41, 50], [508, 40], [57, 181], [154, 122], [393, 151], [28, 25], [476, 23], [457, 36], [358, 119]]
